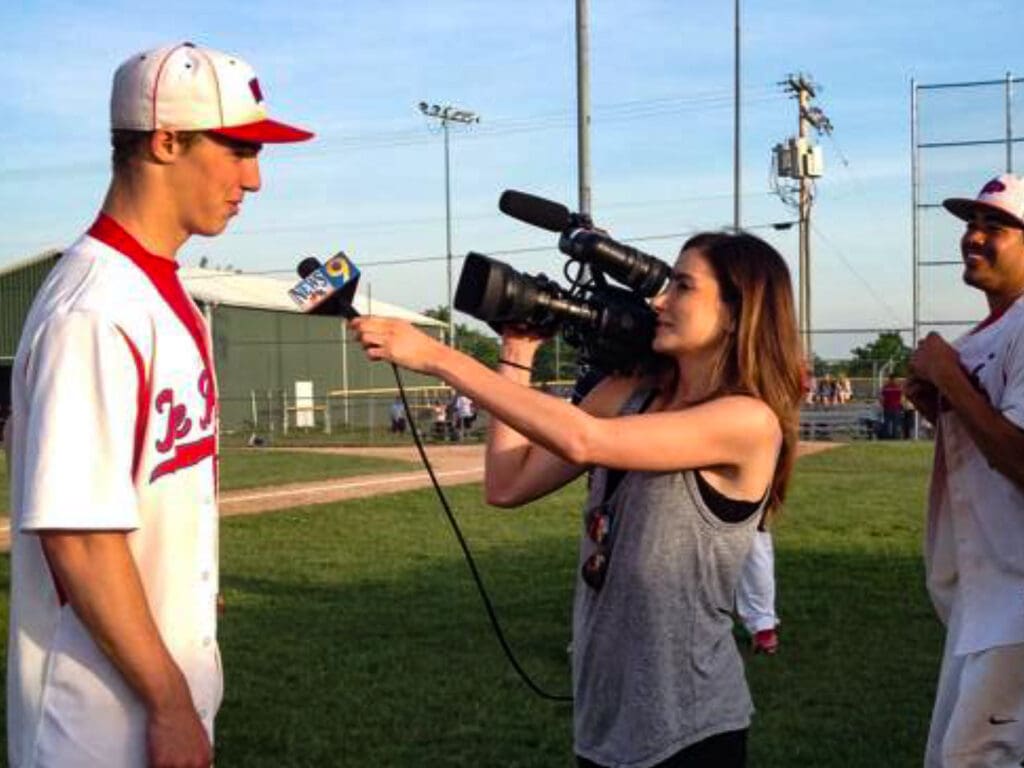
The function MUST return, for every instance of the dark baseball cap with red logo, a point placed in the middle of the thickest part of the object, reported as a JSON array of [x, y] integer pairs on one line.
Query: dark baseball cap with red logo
[[186, 87], [1003, 196]]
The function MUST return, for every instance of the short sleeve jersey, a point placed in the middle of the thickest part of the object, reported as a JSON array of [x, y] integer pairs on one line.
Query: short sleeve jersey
[[974, 546], [114, 416]]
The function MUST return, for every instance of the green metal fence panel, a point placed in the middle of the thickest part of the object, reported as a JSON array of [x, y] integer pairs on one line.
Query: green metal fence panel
[[262, 354], [17, 290]]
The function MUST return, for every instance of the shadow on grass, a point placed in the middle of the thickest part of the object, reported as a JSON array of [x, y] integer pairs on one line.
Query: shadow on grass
[[353, 636], [407, 673], [402, 672], [854, 680]]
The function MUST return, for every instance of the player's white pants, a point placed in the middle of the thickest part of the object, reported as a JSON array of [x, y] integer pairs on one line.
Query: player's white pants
[[978, 719], [755, 595]]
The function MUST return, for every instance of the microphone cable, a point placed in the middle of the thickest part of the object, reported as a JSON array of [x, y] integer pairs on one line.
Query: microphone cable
[[495, 624]]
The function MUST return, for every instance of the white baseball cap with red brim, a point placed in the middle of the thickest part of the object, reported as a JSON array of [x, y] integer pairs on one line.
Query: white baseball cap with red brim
[[187, 87], [1002, 196]]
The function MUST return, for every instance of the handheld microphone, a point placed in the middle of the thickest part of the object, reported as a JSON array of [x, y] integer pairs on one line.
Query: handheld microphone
[[327, 289]]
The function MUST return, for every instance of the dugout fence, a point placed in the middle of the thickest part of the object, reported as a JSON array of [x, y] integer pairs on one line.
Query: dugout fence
[[962, 134]]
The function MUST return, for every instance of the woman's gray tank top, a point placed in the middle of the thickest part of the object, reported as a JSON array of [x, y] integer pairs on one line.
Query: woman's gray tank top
[[655, 665]]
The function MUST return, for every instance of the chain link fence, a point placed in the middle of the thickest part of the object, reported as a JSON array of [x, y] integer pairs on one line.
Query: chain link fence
[[363, 417]]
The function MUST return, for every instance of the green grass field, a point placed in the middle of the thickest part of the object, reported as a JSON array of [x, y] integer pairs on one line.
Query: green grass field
[[247, 468], [353, 635]]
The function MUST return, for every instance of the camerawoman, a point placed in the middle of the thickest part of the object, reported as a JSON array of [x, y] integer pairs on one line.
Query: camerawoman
[[687, 456]]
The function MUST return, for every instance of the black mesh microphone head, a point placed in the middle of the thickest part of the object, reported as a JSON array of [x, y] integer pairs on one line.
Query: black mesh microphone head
[[308, 266], [534, 210]]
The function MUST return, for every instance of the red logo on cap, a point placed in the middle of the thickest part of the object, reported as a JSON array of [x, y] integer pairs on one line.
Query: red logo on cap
[[992, 187], [254, 86]]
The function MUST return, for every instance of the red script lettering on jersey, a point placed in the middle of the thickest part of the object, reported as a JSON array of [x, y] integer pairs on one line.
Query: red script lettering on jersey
[[179, 425]]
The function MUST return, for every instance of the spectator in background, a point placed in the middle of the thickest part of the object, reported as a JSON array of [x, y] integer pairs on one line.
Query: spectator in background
[[909, 413], [827, 390], [463, 413], [440, 420], [844, 389], [452, 418], [891, 399], [806, 384], [397, 413], [810, 387]]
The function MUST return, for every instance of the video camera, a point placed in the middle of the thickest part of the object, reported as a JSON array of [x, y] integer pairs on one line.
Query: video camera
[[612, 327]]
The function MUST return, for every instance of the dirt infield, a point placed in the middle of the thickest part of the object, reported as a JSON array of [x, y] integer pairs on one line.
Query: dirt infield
[[453, 465]]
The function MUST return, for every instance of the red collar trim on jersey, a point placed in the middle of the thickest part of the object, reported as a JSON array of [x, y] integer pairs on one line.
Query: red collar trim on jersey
[[108, 231], [991, 319], [161, 271]]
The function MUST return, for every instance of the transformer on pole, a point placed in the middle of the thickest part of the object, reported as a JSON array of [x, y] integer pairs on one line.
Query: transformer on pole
[[799, 160]]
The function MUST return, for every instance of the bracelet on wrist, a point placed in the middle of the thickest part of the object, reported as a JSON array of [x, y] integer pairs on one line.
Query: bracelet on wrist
[[503, 361]]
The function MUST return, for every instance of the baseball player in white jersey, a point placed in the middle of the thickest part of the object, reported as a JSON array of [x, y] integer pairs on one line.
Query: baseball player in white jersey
[[112, 658], [973, 391], [755, 595]]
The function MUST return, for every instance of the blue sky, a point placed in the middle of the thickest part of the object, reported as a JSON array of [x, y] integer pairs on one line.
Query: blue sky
[[661, 89]]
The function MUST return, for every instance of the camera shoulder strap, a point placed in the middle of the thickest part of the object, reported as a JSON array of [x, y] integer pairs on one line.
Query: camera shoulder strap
[[614, 476]]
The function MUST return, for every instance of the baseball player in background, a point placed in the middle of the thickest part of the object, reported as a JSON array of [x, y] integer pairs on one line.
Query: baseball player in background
[[755, 595], [113, 659], [973, 391]]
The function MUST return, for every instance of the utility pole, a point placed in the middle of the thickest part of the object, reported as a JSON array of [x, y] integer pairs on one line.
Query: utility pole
[[804, 91], [736, 174], [802, 161], [582, 131], [445, 115], [583, 102]]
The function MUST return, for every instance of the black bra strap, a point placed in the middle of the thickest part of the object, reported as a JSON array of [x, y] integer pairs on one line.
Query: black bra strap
[[727, 509]]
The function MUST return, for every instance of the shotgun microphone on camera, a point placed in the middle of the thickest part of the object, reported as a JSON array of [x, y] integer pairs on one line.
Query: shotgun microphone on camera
[[639, 271], [534, 210]]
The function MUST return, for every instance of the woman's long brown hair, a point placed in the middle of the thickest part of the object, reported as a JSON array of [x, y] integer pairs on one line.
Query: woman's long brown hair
[[762, 357]]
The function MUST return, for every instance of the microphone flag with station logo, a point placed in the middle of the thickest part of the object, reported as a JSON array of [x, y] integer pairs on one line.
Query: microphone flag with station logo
[[328, 288]]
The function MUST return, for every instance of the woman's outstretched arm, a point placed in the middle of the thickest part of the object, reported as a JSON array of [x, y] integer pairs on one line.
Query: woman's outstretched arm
[[517, 469], [730, 431]]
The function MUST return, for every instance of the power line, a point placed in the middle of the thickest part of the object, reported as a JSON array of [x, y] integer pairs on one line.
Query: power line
[[867, 285], [244, 231], [612, 112], [403, 260]]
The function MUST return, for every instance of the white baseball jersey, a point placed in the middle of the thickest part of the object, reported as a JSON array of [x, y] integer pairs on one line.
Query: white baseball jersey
[[974, 547], [114, 428]]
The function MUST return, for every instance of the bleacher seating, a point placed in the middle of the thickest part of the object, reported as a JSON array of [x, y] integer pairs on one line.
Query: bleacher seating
[[839, 423]]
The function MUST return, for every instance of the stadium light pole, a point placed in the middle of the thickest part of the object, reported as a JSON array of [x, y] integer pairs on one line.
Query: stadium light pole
[[448, 114]]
